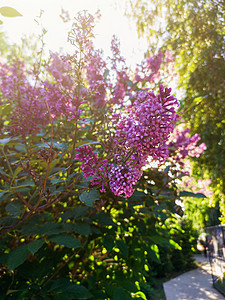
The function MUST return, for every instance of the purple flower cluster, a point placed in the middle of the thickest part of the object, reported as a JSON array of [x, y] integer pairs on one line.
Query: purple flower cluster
[[82, 31], [121, 88], [142, 132], [117, 60], [122, 178], [28, 102], [121, 77], [149, 69], [13, 81], [27, 117], [62, 72], [148, 126], [183, 145], [94, 167], [154, 62], [98, 84]]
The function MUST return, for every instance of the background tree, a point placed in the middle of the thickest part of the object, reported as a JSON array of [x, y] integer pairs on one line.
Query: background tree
[[194, 32]]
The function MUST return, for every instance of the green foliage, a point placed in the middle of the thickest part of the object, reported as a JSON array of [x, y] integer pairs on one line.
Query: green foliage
[[175, 259], [85, 244], [186, 236], [201, 213]]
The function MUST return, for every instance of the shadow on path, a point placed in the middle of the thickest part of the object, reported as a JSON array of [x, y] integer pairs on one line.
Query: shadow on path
[[193, 285]]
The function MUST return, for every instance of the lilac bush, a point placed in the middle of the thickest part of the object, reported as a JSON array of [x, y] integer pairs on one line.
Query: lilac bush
[[77, 203], [141, 128]]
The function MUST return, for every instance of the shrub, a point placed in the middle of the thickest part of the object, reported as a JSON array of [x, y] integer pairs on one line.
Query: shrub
[[80, 217]]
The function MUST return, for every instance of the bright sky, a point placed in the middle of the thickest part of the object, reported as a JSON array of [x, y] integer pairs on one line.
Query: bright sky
[[111, 22]]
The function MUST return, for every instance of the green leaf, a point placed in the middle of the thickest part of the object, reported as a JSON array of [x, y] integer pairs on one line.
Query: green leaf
[[35, 245], [137, 196], [25, 183], [140, 295], [21, 189], [175, 245], [153, 254], [159, 240], [4, 173], [5, 108], [104, 219], [108, 242], [11, 291], [7, 11], [123, 247], [21, 148], [5, 141], [129, 285], [43, 229], [81, 133], [190, 194], [17, 257], [86, 143], [58, 145], [96, 230], [76, 291], [80, 211], [67, 214], [66, 240], [88, 198], [106, 73], [82, 228], [56, 180], [14, 208], [1, 196], [120, 294], [79, 292], [8, 221], [3, 259], [17, 171]]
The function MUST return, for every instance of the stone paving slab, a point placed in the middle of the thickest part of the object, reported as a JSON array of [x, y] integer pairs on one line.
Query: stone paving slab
[[193, 285]]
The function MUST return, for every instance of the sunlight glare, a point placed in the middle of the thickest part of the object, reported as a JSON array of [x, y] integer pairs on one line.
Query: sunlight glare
[[112, 22]]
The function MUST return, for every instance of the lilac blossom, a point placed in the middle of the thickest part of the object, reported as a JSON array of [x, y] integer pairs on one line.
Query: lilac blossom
[[122, 179], [149, 69], [142, 132], [93, 166], [148, 126], [62, 71], [98, 84], [181, 144], [121, 88]]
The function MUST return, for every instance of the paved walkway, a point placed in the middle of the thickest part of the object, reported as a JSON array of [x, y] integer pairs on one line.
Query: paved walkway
[[193, 285]]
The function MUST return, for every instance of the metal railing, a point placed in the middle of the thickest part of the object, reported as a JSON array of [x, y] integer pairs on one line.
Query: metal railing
[[215, 245]]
